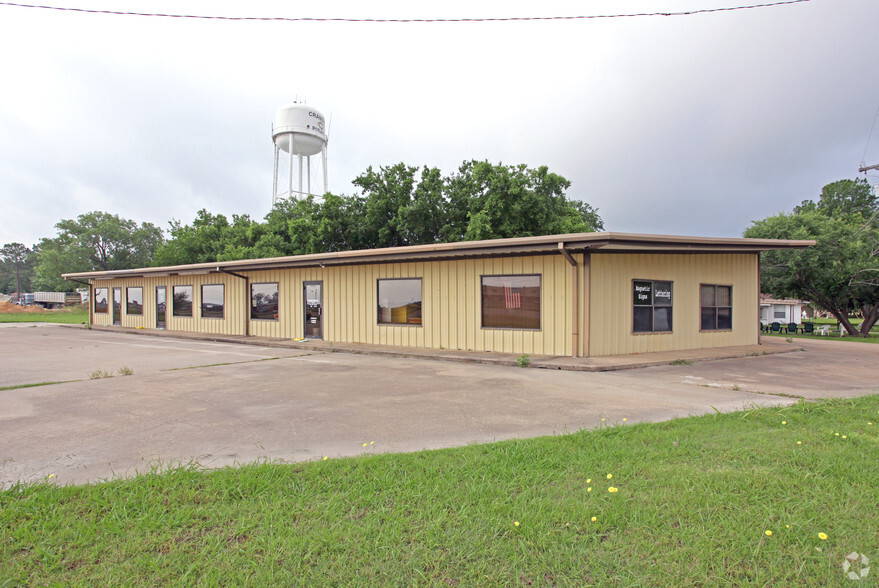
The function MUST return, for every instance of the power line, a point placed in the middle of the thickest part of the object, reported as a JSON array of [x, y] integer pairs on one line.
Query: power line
[[405, 20]]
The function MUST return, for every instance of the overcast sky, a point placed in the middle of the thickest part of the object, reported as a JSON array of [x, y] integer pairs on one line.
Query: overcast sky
[[689, 125]]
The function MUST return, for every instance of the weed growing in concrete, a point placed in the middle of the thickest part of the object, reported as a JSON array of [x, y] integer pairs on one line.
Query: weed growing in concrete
[[681, 362], [98, 374], [523, 360], [125, 371]]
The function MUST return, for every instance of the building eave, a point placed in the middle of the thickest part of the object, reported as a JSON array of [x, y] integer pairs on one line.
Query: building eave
[[604, 242]]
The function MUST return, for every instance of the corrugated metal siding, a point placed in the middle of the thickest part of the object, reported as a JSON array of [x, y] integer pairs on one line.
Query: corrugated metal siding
[[234, 296], [610, 311], [451, 304]]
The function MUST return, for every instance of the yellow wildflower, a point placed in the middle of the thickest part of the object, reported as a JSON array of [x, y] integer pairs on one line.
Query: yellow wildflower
[[799, 442], [516, 523], [594, 519], [783, 422], [822, 536], [768, 533], [612, 489], [589, 489], [326, 458], [609, 476], [625, 419], [588, 480], [364, 444], [845, 436]]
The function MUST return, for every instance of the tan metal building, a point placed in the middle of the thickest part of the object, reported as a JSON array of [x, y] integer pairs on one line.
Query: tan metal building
[[584, 294]]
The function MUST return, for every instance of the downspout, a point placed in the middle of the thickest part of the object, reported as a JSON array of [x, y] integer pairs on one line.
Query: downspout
[[575, 300], [759, 311], [91, 297], [246, 297]]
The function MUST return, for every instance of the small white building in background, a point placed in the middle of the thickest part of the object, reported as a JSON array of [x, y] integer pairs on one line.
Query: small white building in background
[[784, 311]]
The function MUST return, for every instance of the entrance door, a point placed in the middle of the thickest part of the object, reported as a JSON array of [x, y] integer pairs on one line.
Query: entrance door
[[117, 306], [160, 307], [313, 296]]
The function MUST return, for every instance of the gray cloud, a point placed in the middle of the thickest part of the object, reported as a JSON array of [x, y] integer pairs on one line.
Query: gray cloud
[[688, 125]]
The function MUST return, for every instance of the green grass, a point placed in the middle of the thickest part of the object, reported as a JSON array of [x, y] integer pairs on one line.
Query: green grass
[[73, 316], [832, 336], [695, 499]]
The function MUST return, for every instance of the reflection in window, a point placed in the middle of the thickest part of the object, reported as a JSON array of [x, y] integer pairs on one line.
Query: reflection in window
[[399, 301], [102, 300], [652, 305], [264, 301], [716, 303], [212, 301], [511, 302], [181, 303], [134, 300]]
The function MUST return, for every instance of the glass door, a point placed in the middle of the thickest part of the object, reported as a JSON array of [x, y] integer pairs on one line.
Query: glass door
[[160, 307], [117, 306], [313, 297]]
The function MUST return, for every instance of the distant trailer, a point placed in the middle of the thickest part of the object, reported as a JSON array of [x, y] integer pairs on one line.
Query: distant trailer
[[56, 299]]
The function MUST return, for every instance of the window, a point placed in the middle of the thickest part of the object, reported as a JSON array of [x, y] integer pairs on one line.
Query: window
[[264, 301], [181, 303], [511, 302], [780, 312], [212, 301], [134, 300], [399, 301], [102, 300], [652, 305], [716, 303]]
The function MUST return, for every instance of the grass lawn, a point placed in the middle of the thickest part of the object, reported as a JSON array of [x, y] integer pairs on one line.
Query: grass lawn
[[72, 316], [774, 497]]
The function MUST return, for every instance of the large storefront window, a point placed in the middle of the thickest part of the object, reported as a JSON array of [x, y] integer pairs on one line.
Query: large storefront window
[[652, 305], [264, 301], [399, 301], [134, 300], [212, 303], [181, 303], [102, 300], [511, 302], [716, 303]]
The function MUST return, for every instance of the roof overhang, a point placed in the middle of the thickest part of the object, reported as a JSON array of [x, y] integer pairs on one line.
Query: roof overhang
[[573, 243]]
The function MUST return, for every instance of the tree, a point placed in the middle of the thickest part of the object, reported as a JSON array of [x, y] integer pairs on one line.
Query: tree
[[94, 241], [398, 205], [17, 268], [210, 238], [840, 272], [496, 201]]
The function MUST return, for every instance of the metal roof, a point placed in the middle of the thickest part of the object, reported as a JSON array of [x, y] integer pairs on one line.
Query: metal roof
[[605, 242]]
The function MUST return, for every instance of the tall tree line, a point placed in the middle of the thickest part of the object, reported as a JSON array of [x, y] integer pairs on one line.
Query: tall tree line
[[397, 205]]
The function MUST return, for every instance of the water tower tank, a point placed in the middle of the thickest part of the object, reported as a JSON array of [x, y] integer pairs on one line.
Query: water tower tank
[[299, 128]]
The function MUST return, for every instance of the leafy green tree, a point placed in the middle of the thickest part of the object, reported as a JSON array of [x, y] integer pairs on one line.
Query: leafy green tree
[[94, 241], [17, 267], [495, 201], [210, 238], [398, 205], [840, 272]]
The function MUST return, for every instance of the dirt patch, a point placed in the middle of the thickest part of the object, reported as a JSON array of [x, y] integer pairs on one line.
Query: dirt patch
[[7, 307]]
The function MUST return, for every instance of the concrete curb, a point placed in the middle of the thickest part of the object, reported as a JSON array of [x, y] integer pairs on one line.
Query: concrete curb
[[580, 364]]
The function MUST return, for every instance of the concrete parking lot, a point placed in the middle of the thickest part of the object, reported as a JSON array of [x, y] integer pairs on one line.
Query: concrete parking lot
[[223, 403]]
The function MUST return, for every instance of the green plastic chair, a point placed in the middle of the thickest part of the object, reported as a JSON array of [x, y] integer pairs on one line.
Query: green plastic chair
[[808, 328], [775, 328]]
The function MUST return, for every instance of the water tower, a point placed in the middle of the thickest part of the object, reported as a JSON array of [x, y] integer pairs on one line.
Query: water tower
[[300, 131]]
